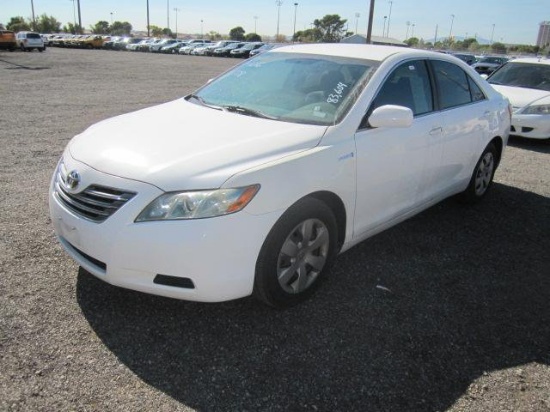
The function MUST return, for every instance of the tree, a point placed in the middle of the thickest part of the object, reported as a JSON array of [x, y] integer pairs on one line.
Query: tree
[[237, 33], [119, 28], [101, 27], [331, 28], [47, 24], [214, 35], [18, 24], [253, 37], [71, 28], [466, 43], [308, 36], [156, 31], [497, 47], [167, 32], [412, 41]]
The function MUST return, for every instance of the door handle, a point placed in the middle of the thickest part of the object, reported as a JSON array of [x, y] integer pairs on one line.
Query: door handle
[[436, 130]]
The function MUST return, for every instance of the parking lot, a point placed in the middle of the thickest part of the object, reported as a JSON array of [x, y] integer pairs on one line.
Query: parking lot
[[448, 311]]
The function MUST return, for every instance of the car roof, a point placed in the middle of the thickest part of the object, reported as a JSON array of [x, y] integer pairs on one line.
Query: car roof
[[361, 51], [536, 60]]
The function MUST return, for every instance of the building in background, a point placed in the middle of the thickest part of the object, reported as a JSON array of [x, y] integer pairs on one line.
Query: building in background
[[543, 39]]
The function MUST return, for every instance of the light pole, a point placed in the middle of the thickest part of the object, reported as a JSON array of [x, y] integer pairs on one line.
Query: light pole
[[384, 29], [492, 33], [111, 18], [295, 12], [168, 14], [412, 31], [255, 24], [408, 26], [279, 4], [389, 18], [74, 16], [451, 31], [148, 24], [202, 21], [357, 15], [176, 10], [435, 36]]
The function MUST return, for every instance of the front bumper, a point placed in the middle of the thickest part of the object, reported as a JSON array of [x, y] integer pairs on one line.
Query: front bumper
[[216, 257], [532, 126]]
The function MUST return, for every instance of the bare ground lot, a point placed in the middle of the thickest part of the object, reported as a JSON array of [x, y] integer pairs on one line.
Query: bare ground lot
[[466, 326]]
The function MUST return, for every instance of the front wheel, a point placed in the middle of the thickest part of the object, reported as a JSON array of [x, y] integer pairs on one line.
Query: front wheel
[[296, 254], [482, 177]]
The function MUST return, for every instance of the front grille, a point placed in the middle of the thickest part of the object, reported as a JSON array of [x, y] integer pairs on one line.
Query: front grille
[[95, 203]]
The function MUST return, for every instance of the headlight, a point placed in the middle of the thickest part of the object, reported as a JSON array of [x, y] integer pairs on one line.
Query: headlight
[[537, 109], [198, 205]]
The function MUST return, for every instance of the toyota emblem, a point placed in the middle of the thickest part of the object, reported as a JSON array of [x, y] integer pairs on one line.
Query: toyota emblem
[[72, 180]]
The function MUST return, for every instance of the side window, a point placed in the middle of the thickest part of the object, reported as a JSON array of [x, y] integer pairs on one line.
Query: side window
[[476, 92], [408, 85], [454, 85]]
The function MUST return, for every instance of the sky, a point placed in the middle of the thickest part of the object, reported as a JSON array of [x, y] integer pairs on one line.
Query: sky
[[507, 21]]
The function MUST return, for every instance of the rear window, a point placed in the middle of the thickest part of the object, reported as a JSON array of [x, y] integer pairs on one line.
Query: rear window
[[33, 36]]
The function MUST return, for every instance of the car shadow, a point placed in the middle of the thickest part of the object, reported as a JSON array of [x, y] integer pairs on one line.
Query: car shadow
[[534, 145], [15, 66], [406, 320]]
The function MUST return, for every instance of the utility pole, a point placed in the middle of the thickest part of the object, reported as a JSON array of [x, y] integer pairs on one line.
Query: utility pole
[[79, 17], [369, 25], [33, 19]]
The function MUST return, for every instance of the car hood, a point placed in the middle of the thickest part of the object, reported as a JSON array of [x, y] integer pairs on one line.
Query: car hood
[[181, 145], [521, 96]]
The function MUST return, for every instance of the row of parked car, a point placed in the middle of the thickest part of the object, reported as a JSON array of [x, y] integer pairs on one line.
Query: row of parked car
[[482, 64], [199, 47]]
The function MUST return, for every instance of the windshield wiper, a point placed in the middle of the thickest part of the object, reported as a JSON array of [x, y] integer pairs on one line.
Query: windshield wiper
[[248, 112], [202, 102]]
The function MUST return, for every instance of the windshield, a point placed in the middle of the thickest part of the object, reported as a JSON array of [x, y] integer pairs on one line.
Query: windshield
[[299, 88], [531, 76]]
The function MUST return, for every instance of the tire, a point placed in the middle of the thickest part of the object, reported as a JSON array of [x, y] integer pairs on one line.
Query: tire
[[288, 269], [482, 177], [41, 49]]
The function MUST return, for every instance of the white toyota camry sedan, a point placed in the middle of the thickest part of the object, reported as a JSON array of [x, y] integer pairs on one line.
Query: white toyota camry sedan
[[526, 83], [296, 155]]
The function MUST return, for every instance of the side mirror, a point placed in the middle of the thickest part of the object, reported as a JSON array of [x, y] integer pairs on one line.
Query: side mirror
[[484, 76], [391, 116]]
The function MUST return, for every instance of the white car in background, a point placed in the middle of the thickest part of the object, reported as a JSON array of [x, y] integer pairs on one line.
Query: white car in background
[[293, 157], [526, 83]]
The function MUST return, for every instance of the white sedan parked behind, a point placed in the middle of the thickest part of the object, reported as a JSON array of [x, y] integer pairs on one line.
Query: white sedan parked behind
[[526, 82], [296, 155]]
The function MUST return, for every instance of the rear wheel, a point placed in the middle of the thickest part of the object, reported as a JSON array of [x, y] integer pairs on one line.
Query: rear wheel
[[482, 177], [296, 254]]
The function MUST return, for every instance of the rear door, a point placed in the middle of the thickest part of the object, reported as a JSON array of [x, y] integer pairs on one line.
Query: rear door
[[466, 112]]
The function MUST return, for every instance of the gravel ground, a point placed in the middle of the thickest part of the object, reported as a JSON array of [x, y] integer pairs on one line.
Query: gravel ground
[[463, 325]]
